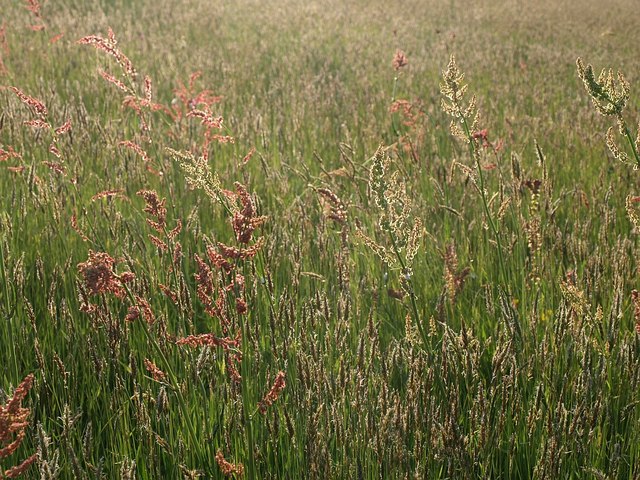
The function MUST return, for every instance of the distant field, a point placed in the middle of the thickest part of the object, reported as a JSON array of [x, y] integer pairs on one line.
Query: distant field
[[319, 239]]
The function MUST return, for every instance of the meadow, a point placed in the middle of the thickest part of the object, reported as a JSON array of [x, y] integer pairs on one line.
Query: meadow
[[319, 239]]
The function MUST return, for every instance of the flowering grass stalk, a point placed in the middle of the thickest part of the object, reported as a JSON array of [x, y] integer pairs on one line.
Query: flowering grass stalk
[[463, 126]]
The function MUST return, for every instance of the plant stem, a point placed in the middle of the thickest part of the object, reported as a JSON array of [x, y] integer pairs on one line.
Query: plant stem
[[483, 195], [7, 301], [174, 384], [632, 144], [412, 295]]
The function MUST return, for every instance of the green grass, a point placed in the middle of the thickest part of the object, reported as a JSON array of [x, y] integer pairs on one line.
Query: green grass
[[526, 370]]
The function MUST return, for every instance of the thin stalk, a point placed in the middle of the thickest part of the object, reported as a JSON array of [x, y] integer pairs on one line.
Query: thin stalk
[[393, 99], [412, 294], [632, 144], [246, 367], [251, 466], [174, 382], [5, 285], [483, 195]]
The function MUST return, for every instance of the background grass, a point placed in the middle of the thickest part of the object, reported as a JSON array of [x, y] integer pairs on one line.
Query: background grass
[[310, 86]]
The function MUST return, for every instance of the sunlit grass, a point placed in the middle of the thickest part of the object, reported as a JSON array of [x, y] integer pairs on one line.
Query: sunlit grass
[[194, 274]]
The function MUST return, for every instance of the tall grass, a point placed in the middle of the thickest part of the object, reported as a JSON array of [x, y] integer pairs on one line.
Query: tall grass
[[252, 241]]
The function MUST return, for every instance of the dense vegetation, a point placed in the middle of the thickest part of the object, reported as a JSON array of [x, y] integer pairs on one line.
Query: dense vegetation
[[292, 240]]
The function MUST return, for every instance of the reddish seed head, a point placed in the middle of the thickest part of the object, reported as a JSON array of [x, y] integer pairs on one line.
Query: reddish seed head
[[204, 280], [37, 123], [273, 394], [207, 118], [109, 46], [8, 153], [480, 134], [157, 374], [54, 150], [107, 194], [169, 293], [36, 105], [156, 208], [241, 306], [635, 297], [248, 156], [209, 340], [56, 167], [174, 232], [13, 423], [113, 80], [145, 310], [218, 260], [55, 38], [245, 221], [140, 151], [399, 60], [64, 128], [18, 470], [228, 468], [160, 244], [99, 275], [33, 6]]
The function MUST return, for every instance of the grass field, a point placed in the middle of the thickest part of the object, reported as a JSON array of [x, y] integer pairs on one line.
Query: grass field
[[273, 240]]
